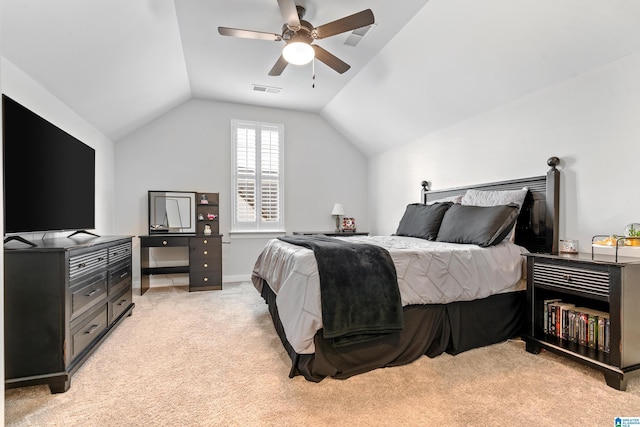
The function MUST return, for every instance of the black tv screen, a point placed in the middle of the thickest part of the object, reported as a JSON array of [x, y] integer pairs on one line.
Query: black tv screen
[[49, 175]]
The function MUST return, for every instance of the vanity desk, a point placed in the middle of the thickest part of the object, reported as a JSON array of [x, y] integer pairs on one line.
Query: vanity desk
[[184, 219], [205, 260]]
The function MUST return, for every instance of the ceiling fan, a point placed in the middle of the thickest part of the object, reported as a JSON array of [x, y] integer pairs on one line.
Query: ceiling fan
[[299, 35]]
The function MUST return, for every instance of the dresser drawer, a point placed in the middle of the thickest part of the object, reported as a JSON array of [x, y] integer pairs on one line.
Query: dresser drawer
[[119, 304], [572, 278], [204, 279], [119, 252], [88, 330], [204, 247], [159, 241], [119, 277], [88, 293], [84, 263]]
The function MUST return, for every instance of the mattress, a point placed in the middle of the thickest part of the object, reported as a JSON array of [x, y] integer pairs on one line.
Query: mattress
[[428, 273]]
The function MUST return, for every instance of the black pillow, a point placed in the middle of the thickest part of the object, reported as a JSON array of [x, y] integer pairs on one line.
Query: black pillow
[[422, 221], [477, 225]]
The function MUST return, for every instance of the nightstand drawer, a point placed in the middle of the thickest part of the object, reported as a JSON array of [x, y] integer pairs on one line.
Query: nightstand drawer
[[564, 277]]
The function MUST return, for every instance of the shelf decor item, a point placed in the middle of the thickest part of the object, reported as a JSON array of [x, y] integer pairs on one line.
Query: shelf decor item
[[568, 246], [632, 230], [348, 224]]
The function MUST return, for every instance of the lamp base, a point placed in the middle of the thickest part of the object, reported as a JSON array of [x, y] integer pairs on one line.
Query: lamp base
[[337, 223]]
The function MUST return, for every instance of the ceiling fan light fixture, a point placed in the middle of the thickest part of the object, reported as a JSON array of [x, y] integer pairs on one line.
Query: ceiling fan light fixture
[[298, 53]]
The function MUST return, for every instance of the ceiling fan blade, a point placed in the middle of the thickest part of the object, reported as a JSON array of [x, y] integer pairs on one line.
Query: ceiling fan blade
[[348, 23], [289, 13], [330, 59], [279, 66], [248, 34]]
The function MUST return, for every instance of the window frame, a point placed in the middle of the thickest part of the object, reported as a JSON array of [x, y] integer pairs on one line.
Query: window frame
[[259, 225]]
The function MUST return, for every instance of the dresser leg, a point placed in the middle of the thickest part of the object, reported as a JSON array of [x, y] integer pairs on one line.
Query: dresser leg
[[59, 386]]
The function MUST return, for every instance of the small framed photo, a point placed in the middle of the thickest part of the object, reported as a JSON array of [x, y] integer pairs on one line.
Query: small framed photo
[[348, 224]]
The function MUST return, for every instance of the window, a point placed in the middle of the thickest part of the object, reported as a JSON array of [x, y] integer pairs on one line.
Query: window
[[257, 150]]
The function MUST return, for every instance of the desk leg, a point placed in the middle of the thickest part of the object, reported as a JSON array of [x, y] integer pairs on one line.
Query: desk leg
[[144, 268]]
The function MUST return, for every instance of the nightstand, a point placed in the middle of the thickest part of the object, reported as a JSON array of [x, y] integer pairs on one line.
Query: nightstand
[[333, 233], [586, 309]]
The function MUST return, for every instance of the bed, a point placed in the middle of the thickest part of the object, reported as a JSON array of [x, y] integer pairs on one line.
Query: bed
[[453, 295]]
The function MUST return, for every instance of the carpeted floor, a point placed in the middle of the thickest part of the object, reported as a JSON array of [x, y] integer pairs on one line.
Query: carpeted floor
[[214, 359]]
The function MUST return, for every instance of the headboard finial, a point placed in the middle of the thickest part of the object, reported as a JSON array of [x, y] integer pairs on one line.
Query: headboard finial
[[425, 185], [553, 162]]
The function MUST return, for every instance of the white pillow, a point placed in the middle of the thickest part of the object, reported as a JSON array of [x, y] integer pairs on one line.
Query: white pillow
[[496, 198], [455, 199]]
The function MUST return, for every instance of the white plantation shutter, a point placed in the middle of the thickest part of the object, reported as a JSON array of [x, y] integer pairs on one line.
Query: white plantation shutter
[[257, 181]]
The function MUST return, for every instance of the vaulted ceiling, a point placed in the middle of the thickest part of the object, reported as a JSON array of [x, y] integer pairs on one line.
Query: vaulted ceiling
[[425, 65]]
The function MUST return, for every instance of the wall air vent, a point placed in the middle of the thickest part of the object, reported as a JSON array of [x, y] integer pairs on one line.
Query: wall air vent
[[358, 34], [266, 89]]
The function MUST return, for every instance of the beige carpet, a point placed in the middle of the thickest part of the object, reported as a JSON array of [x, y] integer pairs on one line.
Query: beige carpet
[[213, 359]]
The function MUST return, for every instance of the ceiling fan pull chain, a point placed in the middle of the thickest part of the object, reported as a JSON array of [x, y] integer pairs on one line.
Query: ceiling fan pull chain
[[313, 73]]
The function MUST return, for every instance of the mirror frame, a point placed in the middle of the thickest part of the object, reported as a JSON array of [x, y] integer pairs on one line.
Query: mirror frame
[[184, 212]]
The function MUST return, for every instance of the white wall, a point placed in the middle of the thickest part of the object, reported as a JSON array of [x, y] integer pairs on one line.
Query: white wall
[[589, 121], [188, 149], [26, 91]]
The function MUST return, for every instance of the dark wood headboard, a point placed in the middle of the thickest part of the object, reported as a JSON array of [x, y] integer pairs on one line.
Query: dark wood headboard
[[537, 226]]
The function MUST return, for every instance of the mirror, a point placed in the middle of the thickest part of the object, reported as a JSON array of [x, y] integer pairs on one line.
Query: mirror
[[172, 212]]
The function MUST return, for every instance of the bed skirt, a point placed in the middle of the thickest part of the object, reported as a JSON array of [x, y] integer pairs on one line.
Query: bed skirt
[[430, 330]]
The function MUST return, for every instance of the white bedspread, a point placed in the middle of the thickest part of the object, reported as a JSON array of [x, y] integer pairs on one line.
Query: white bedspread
[[428, 273]]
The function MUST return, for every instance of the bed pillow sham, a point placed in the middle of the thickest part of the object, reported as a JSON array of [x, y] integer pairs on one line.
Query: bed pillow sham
[[422, 221], [477, 225], [496, 198]]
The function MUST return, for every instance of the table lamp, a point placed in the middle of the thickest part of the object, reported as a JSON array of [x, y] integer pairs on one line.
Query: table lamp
[[337, 211]]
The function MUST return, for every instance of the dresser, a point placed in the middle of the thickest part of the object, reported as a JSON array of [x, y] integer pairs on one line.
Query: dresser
[[62, 300]]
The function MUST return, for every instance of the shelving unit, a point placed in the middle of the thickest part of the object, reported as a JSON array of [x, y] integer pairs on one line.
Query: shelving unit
[[608, 284]]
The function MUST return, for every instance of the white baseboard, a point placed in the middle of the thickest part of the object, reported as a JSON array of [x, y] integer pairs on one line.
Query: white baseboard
[[236, 279]]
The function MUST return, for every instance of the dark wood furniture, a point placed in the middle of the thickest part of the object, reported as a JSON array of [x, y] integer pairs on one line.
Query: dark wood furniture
[[332, 233], [600, 283], [62, 299], [432, 329], [205, 249], [205, 260]]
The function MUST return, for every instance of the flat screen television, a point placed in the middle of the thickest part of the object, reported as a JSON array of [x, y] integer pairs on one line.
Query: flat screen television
[[49, 175]]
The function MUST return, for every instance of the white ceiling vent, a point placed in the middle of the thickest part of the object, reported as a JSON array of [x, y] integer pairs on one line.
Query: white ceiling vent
[[358, 34], [266, 89]]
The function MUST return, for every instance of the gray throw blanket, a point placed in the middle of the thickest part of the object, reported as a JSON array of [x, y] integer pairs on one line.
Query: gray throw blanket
[[358, 286]]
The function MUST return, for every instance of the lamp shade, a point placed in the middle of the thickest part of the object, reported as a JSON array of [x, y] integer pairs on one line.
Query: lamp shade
[[337, 209], [298, 53]]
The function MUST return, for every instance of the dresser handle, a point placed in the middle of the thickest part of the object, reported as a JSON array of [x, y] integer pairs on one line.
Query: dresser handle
[[92, 329], [125, 274], [93, 291], [123, 302], [205, 252], [206, 279], [568, 278], [82, 265], [164, 242], [205, 241], [206, 265]]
